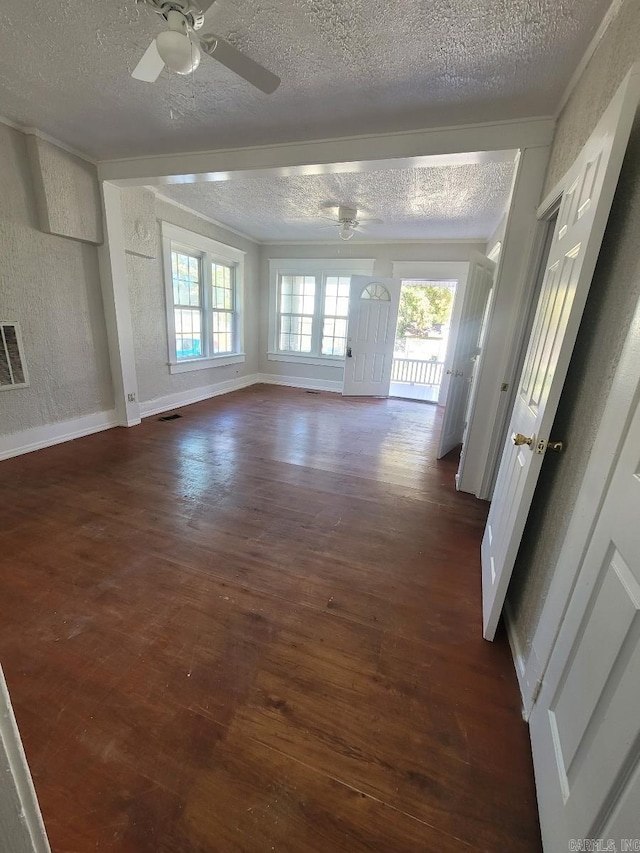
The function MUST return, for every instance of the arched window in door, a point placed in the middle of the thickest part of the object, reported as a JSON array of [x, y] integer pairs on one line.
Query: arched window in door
[[376, 291]]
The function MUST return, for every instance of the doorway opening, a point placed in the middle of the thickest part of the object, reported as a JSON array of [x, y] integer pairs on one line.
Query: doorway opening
[[422, 336]]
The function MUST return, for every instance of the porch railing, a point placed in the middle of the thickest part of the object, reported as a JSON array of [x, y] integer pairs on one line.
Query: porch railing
[[413, 371]]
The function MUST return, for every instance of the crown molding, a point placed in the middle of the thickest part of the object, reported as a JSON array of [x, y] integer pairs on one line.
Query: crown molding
[[161, 197], [476, 241], [609, 17], [34, 131]]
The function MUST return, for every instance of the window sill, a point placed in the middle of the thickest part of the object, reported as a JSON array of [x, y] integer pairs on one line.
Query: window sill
[[206, 363], [319, 360]]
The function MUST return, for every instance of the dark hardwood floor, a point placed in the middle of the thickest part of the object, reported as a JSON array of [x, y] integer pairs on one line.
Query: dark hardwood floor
[[258, 628]]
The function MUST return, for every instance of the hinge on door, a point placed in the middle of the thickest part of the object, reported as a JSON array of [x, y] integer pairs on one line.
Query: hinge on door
[[504, 386]]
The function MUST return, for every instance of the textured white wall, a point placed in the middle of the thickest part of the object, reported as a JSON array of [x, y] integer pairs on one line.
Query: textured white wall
[[614, 294], [146, 292], [50, 285], [67, 192], [383, 253], [139, 223]]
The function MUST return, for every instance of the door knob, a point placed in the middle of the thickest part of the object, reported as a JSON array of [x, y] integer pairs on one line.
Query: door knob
[[349, 353], [518, 438], [449, 372]]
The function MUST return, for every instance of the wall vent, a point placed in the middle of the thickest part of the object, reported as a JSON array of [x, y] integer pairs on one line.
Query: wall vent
[[13, 368]]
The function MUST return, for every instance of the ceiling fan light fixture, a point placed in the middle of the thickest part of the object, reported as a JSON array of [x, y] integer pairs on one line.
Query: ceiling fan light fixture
[[178, 52], [346, 231]]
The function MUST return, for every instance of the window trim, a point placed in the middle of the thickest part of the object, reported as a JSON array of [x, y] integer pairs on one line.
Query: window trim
[[209, 251], [320, 268]]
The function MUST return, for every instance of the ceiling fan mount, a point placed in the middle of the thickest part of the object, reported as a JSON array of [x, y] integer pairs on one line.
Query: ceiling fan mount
[[191, 12], [180, 49]]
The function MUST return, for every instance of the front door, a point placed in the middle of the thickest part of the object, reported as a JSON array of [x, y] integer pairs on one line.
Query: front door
[[460, 364], [585, 725], [589, 187], [371, 335]]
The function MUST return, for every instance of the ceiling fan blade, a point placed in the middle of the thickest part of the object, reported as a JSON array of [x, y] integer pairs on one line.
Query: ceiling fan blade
[[150, 66], [242, 65]]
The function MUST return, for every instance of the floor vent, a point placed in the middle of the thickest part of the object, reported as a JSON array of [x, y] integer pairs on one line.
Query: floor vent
[[169, 417], [13, 370]]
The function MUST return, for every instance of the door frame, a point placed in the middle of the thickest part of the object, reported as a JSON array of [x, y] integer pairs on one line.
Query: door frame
[[19, 810], [457, 271], [540, 252]]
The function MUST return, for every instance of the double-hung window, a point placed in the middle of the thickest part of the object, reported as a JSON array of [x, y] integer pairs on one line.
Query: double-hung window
[[310, 308], [203, 285]]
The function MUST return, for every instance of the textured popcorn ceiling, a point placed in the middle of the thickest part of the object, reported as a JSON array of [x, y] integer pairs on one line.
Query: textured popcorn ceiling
[[448, 202], [348, 67]]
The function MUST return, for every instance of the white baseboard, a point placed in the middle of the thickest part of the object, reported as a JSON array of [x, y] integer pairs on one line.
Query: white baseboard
[[195, 395], [36, 438], [46, 436], [300, 382], [516, 653]]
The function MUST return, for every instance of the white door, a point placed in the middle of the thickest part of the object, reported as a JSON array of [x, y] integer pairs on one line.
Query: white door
[[585, 725], [460, 364], [588, 192], [371, 335]]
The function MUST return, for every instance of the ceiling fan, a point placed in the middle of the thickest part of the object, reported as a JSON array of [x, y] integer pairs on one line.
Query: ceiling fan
[[350, 222], [180, 49]]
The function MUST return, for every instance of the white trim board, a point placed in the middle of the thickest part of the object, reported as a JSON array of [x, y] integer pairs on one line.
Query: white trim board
[[36, 438], [195, 395], [300, 382], [368, 240], [431, 270], [519, 659], [329, 155], [21, 824]]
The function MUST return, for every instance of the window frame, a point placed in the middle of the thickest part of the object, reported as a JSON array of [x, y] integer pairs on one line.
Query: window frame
[[321, 269], [209, 252]]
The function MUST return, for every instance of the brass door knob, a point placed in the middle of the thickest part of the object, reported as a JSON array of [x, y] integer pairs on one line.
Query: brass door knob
[[518, 438]]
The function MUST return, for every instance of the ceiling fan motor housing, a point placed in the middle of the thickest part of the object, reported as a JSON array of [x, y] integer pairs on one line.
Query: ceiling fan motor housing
[[348, 215]]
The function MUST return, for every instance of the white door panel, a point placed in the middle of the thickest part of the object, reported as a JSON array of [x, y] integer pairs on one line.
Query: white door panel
[[584, 209], [462, 363], [371, 334], [585, 726]]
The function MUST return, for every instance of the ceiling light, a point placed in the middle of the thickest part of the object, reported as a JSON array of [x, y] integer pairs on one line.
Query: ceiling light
[[178, 52], [346, 231]]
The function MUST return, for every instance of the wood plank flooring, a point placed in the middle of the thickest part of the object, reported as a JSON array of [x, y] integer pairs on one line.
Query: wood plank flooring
[[257, 628]]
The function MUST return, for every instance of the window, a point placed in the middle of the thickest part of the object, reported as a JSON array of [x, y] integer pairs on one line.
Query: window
[[13, 369], [204, 300], [336, 312], [310, 308], [297, 298]]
